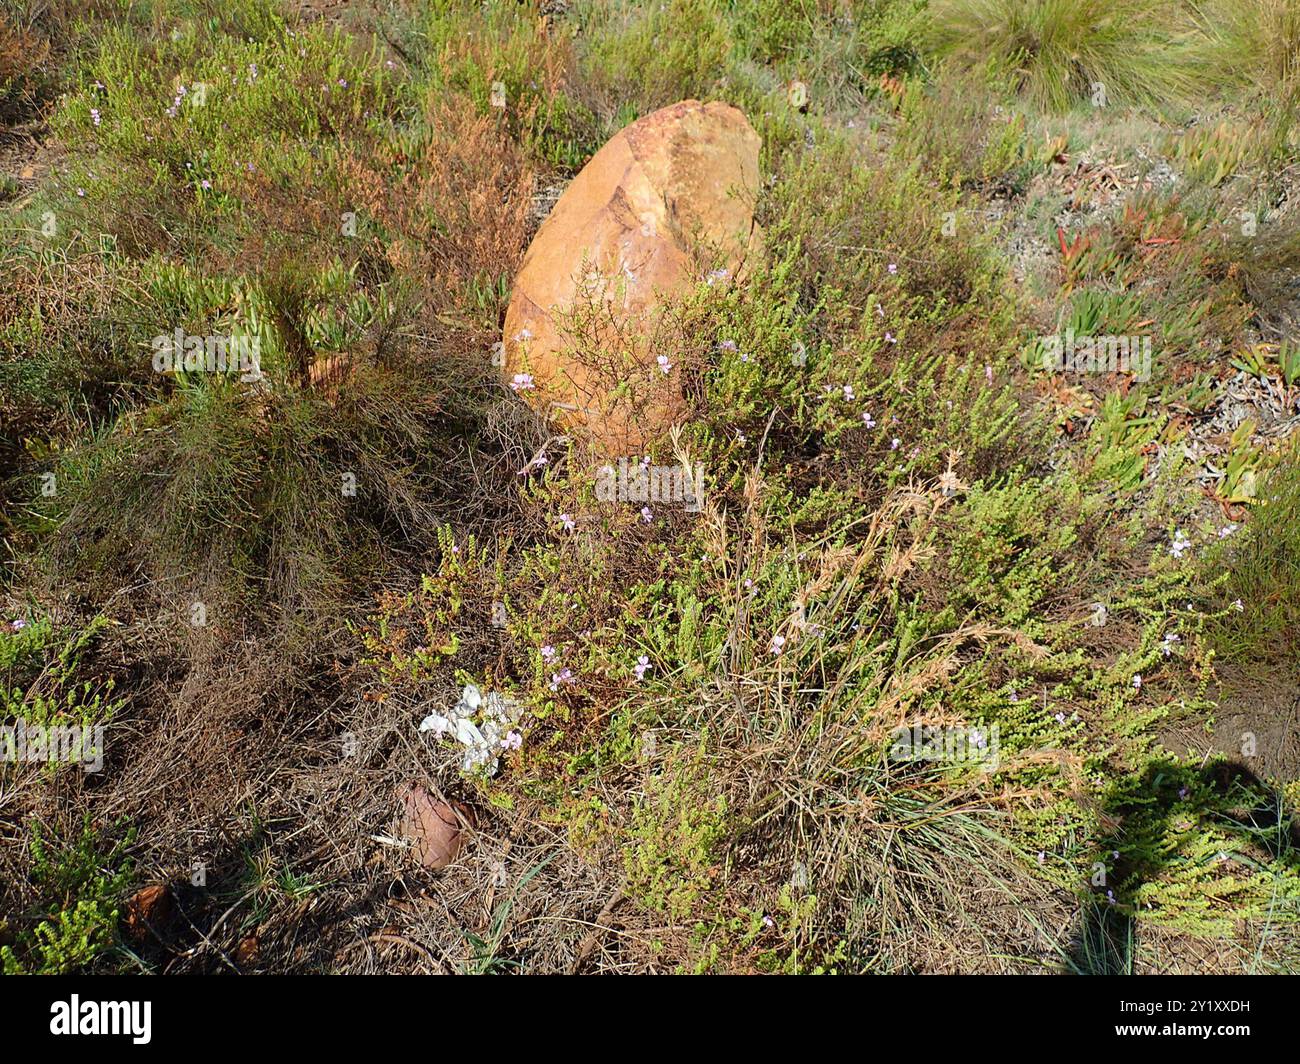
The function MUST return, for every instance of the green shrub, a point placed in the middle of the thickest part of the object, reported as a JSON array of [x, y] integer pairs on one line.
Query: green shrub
[[69, 921], [1260, 624], [43, 675]]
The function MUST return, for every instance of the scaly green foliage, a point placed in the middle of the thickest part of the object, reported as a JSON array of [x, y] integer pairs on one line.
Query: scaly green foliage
[[72, 923]]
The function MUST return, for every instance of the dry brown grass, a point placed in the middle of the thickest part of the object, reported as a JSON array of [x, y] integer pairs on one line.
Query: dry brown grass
[[22, 53]]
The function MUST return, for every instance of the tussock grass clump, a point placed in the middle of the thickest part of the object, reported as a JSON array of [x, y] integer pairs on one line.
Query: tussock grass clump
[[1140, 51], [1259, 39]]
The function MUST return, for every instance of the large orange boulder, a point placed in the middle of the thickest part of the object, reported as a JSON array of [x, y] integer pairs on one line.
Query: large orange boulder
[[667, 201]]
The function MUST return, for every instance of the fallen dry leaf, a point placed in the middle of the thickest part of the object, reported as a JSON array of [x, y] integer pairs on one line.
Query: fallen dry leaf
[[433, 826]]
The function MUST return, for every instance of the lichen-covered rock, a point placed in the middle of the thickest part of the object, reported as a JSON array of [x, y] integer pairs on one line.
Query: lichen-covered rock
[[667, 197]]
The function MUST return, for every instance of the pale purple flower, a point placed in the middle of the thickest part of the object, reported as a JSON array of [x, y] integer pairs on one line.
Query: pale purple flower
[[522, 382], [548, 653], [564, 676], [513, 740], [848, 393], [867, 420], [642, 664], [664, 365], [1137, 682], [1179, 545], [94, 115], [647, 515], [567, 521], [893, 267], [778, 642], [895, 444]]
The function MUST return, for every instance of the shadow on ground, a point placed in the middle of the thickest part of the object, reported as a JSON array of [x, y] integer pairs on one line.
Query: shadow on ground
[[1224, 795]]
